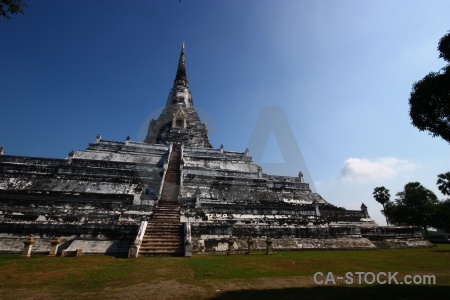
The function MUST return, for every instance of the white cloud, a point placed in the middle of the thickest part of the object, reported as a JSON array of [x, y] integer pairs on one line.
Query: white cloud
[[362, 169]]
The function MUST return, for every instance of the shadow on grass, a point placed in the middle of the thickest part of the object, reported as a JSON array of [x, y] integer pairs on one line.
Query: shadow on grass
[[337, 292]]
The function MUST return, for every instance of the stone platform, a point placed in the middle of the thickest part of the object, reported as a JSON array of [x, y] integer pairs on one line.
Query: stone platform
[[173, 194]]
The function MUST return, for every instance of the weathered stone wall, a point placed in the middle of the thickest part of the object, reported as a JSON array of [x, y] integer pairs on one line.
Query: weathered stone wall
[[119, 174], [59, 207], [91, 238], [240, 245], [95, 197], [214, 238], [231, 178]]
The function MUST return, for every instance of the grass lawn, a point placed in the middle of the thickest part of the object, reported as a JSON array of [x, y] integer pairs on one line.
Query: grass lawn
[[283, 275]]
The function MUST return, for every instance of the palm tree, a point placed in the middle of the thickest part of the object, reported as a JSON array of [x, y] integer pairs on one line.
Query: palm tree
[[382, 196]]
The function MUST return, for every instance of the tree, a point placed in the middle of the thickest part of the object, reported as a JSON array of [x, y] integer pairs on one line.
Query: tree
[[441, 219], [382, 196], [415, 206], [443, 183], [430, 98], [442, 216], [11, 7]]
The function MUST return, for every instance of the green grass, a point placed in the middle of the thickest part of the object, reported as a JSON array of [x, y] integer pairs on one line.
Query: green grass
[[219, 276], [306, 263]]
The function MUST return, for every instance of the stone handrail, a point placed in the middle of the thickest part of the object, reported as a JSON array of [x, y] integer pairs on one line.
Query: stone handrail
[[134, 249], [166, 166]]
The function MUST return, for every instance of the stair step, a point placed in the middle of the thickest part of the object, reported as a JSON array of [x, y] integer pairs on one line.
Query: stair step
[[161, 243], [164, 234], [162, 248], [167, 238], [161, 223], [168, 232], [159, 253], [167, 207], [171, 230], [153, 230], [162, 231], [169, 221], [158, 243], [167, 213], [160, 226]]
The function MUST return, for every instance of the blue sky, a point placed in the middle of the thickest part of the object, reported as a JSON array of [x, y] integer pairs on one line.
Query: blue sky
[[341, 71]]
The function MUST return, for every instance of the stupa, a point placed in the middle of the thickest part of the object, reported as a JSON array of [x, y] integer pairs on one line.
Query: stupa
[[173, 194]]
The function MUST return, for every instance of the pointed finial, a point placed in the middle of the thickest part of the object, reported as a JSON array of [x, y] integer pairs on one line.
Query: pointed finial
[[180, 78]]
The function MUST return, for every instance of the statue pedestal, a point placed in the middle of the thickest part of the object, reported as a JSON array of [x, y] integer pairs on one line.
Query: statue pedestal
[[269, 246], [54, 246], [250, 243], [230, 246], [27, 246]]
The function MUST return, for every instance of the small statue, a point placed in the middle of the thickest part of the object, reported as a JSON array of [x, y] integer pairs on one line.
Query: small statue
[[300, 175]]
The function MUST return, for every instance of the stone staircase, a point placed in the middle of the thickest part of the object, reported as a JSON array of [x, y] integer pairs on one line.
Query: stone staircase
[[164, 234]]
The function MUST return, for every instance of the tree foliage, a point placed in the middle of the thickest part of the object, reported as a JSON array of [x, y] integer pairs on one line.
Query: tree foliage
[[430, 98], [444, 47], [443, 183], [415, 206], [8, 7], [441, 219], [382, 196]]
